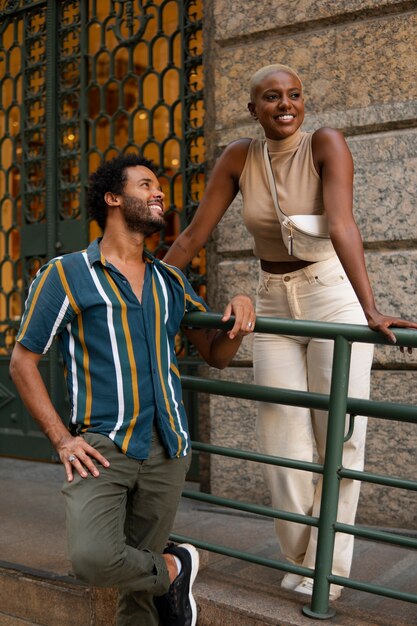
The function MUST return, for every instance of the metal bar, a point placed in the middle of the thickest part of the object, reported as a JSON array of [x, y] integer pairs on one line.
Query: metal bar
[[182, 9], [83, 94], [258, 457], [381, 591], [309, 399], [388, 481], [323, 330], [330, 491], [251, 508], [377, 535], [245, 556], [51, 165]]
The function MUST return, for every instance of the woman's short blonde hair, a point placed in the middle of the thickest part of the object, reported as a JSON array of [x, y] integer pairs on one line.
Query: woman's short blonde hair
[[269, 69]]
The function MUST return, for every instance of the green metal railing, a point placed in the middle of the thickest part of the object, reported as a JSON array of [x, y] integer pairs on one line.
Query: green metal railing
[[338, 404]]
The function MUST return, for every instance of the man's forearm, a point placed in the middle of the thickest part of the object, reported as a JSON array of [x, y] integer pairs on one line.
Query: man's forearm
[[223, 349], [75, 453], [35, 397]]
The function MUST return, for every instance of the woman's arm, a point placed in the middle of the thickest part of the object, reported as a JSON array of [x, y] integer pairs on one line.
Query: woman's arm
[[221, 189], [333, 161], [220, 192]]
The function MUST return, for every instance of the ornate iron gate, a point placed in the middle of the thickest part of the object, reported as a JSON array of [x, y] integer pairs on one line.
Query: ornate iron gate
[[79, 83]]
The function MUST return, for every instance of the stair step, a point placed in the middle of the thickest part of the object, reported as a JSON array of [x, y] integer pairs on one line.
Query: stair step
[[39, 598], [35, 598], [227, 600]]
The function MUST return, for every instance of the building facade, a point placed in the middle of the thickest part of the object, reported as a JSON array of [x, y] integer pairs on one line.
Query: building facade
[[357, 61], [82, 80]]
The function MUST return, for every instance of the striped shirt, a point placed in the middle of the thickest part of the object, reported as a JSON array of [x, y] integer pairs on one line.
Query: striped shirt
[[119, 353]]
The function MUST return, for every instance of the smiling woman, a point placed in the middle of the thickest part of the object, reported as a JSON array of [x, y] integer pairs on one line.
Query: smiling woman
[[313, 175]]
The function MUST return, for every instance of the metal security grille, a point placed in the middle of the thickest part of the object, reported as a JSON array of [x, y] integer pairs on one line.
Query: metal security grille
[[79, 83]]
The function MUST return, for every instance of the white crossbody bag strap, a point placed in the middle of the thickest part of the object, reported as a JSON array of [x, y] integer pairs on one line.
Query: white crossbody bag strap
[[272, 183]]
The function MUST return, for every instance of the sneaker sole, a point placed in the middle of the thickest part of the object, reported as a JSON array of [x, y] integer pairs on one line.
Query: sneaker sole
[[195, 562]]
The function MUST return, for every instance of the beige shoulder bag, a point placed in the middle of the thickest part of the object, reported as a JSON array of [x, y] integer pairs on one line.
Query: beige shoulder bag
[[306, 236]]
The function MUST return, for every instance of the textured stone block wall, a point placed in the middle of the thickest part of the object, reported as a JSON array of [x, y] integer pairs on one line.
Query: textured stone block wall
[[357, 59]]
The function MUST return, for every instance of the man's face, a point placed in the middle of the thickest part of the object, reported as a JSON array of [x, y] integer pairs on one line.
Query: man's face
[[142, 201]]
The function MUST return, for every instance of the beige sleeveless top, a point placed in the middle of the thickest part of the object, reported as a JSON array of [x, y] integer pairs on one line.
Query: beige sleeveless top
[[299, 191]]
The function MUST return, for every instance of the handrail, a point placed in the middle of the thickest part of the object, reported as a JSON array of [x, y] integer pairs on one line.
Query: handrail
[[338, 404], [321, 330]]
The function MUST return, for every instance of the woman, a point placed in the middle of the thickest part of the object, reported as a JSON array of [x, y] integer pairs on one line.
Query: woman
[[314, 175]]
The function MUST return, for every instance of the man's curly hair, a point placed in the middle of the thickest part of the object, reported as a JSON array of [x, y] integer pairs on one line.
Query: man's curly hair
[[111, 176]]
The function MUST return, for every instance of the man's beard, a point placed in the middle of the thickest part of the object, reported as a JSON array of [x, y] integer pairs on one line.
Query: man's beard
[[139, 218]]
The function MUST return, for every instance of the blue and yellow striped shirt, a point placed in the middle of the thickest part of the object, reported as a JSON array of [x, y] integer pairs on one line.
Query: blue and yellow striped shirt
[[119, 354]]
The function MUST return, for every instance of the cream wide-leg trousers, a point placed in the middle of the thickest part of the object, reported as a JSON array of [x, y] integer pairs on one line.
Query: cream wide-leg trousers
[[319, 292]]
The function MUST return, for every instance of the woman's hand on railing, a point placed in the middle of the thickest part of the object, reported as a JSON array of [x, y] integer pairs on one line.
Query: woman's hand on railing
[[383, 323], [242, 308]]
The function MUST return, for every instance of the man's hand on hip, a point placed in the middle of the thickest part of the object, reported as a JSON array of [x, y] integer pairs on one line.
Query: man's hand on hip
[[76, 454]]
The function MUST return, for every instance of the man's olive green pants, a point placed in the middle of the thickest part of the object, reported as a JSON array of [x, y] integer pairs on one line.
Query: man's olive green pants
[[118, 525]]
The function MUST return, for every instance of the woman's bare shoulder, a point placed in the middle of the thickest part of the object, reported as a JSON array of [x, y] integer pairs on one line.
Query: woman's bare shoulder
[[329, 143], [239, 147], [327, 135], [234, 156]]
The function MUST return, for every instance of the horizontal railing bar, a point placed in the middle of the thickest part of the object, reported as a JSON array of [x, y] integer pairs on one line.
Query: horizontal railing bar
[[257, 456], [294, 569], [369, 587], [258, 509], [388, 481], [307, 399], [377, 535], [247, 455], [322, 330], [245, 556]]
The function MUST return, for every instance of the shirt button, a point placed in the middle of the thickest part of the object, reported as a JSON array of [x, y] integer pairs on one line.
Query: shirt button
[[287, 278]]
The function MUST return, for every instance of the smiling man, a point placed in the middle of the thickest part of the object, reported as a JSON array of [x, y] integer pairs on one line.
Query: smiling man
[[115, 311]]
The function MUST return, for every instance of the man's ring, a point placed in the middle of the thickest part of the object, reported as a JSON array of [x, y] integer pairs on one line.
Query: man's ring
[[72, 458], [249, 324]]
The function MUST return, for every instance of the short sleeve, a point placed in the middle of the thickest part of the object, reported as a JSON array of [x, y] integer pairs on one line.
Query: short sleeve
[[193, 302], [47, 309]]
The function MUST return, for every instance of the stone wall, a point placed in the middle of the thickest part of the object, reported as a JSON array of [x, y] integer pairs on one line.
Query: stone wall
[[357, 60]]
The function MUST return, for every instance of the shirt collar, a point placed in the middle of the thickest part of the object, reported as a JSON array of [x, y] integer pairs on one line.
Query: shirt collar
[[94, 254]]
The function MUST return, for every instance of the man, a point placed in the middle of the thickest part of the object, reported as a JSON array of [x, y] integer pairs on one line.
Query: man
[[115, 311]]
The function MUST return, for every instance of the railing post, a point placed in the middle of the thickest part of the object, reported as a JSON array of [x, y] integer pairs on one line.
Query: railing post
[[319, 608]]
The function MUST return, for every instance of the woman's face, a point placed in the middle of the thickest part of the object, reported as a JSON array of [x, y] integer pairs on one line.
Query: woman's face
[[278, 104]]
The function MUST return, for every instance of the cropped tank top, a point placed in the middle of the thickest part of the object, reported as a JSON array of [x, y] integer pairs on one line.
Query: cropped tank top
[[299, 191]]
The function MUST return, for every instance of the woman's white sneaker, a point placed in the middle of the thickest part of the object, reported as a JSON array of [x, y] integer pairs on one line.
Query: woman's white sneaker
[[306, 587]]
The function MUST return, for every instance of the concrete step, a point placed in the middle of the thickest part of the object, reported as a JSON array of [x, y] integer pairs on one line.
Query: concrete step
[[34, 598], [229, 601], [43, 599]]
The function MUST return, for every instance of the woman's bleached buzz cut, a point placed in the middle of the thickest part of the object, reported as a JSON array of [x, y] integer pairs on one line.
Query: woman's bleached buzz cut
[[269, 69]]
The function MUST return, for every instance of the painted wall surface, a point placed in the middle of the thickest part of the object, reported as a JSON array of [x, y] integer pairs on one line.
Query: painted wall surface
[[357, 60]]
